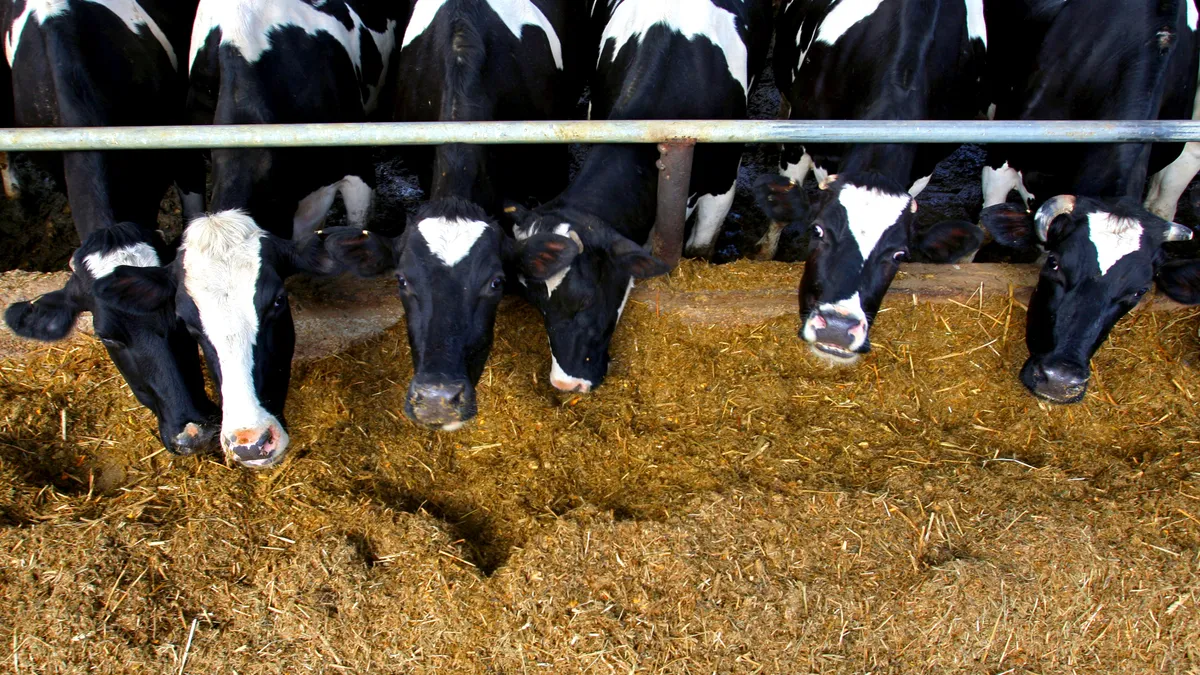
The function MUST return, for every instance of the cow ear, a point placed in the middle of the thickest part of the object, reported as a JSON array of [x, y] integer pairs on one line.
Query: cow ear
[[782, 199], [311, 257], [1010, 225], [48, 318], [365, 253], [544, 255], [1180, 280], [948, 241], [140, 290], [515, 213], [635, 260]]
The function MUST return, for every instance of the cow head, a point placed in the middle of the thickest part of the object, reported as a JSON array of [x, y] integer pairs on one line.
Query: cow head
[[152, 350], [227, 287], [449, 264], [1101, 258], [863, 227], [582, 301]]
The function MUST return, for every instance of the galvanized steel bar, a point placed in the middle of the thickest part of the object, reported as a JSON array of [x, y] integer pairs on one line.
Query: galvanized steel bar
[[653, 131]]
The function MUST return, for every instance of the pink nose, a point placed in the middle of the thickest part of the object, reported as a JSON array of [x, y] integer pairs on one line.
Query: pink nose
[[571, 385]]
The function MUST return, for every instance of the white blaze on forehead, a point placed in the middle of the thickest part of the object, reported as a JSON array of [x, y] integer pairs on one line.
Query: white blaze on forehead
[[128, 11], [247, 25], [976, 26], [140, 254], [1113, 237], [869, 213], [553, 282], [450, 240], [843, 16], [516, 14], [690, 18], [222, 254]]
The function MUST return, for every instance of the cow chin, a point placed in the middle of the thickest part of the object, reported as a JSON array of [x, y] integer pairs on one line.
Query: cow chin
[[833, 356]]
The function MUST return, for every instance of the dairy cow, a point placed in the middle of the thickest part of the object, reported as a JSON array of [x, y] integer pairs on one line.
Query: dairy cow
[[106, 63], [471, 60], [870, 60], [658, 60], [1107, 59]]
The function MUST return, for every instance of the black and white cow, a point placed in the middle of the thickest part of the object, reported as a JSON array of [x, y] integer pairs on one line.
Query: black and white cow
[[227, 286], [871, 60], [1106, 59], [472, 60], [658, 60], [291, 61], [99, 63]]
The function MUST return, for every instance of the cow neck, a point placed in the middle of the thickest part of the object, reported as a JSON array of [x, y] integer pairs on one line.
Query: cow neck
[[618, 184]]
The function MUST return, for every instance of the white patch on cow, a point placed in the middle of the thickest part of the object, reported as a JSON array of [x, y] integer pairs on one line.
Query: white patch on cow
[[311, 211], [997, 183], [710, 218], [247, 25], [1169, 184], [843, 16], [991, 111], [799, 171], [222, 254], [976, 25], [141, 254], [127, 11], [869, 213], [624, 300], [919, 185], [516, 14], [1113, 237], [1193, 17], [357, 197], [821, 174], [450, 240], [803, 51], [690, 18], [560, 380], [554, 281]]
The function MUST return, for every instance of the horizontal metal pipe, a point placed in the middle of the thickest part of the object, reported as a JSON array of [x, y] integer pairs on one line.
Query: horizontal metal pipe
[[625, 131]]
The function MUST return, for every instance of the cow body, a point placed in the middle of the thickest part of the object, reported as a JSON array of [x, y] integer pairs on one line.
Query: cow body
[[856, 59], [658, 60], [469, 60], [1113, 59], [291, 61], [114, 63]]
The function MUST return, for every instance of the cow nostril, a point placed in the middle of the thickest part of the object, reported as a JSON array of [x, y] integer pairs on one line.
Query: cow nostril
[[819, 322]]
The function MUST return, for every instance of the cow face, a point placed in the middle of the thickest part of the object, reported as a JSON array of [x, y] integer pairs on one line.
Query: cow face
[[582, 302], [449, 265], [1101, 259], [861, 230], [152, 350], [227, 287]]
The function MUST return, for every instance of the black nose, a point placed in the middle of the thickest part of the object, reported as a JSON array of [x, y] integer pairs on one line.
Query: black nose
[[1056, 381], [249, 452], [837, 329], [440, 404], [194, 437]]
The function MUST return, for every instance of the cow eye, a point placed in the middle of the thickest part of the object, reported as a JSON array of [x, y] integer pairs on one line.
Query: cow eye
[[111, 343], [1137, 295], [280, 300], [1052, 262], [402, 280], [819, 231], [900, 256], [497, 283]]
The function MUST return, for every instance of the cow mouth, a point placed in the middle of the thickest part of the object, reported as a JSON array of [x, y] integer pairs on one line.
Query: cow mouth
[[834, 354]]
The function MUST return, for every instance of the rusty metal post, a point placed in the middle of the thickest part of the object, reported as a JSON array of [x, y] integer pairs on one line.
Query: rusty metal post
[[674, 178]]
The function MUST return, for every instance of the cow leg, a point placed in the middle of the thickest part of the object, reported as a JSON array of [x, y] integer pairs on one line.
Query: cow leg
[[710, 217], [997, 183], [357, 197], [311, 212], [1168, 185], [767, 246], [12, 189]]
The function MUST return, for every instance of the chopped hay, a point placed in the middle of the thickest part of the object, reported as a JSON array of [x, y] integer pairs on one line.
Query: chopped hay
[[722, 503]]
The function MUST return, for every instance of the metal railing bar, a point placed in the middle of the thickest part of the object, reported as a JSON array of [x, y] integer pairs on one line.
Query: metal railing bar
[[626, 131]]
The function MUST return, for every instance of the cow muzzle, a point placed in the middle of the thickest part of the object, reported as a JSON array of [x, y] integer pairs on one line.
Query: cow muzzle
[[194, 437], [1055, 381], [440, 405], [260, 447], [835, 335]]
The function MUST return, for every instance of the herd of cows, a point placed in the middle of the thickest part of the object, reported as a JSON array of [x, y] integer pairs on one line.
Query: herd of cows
[[507, 219]]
